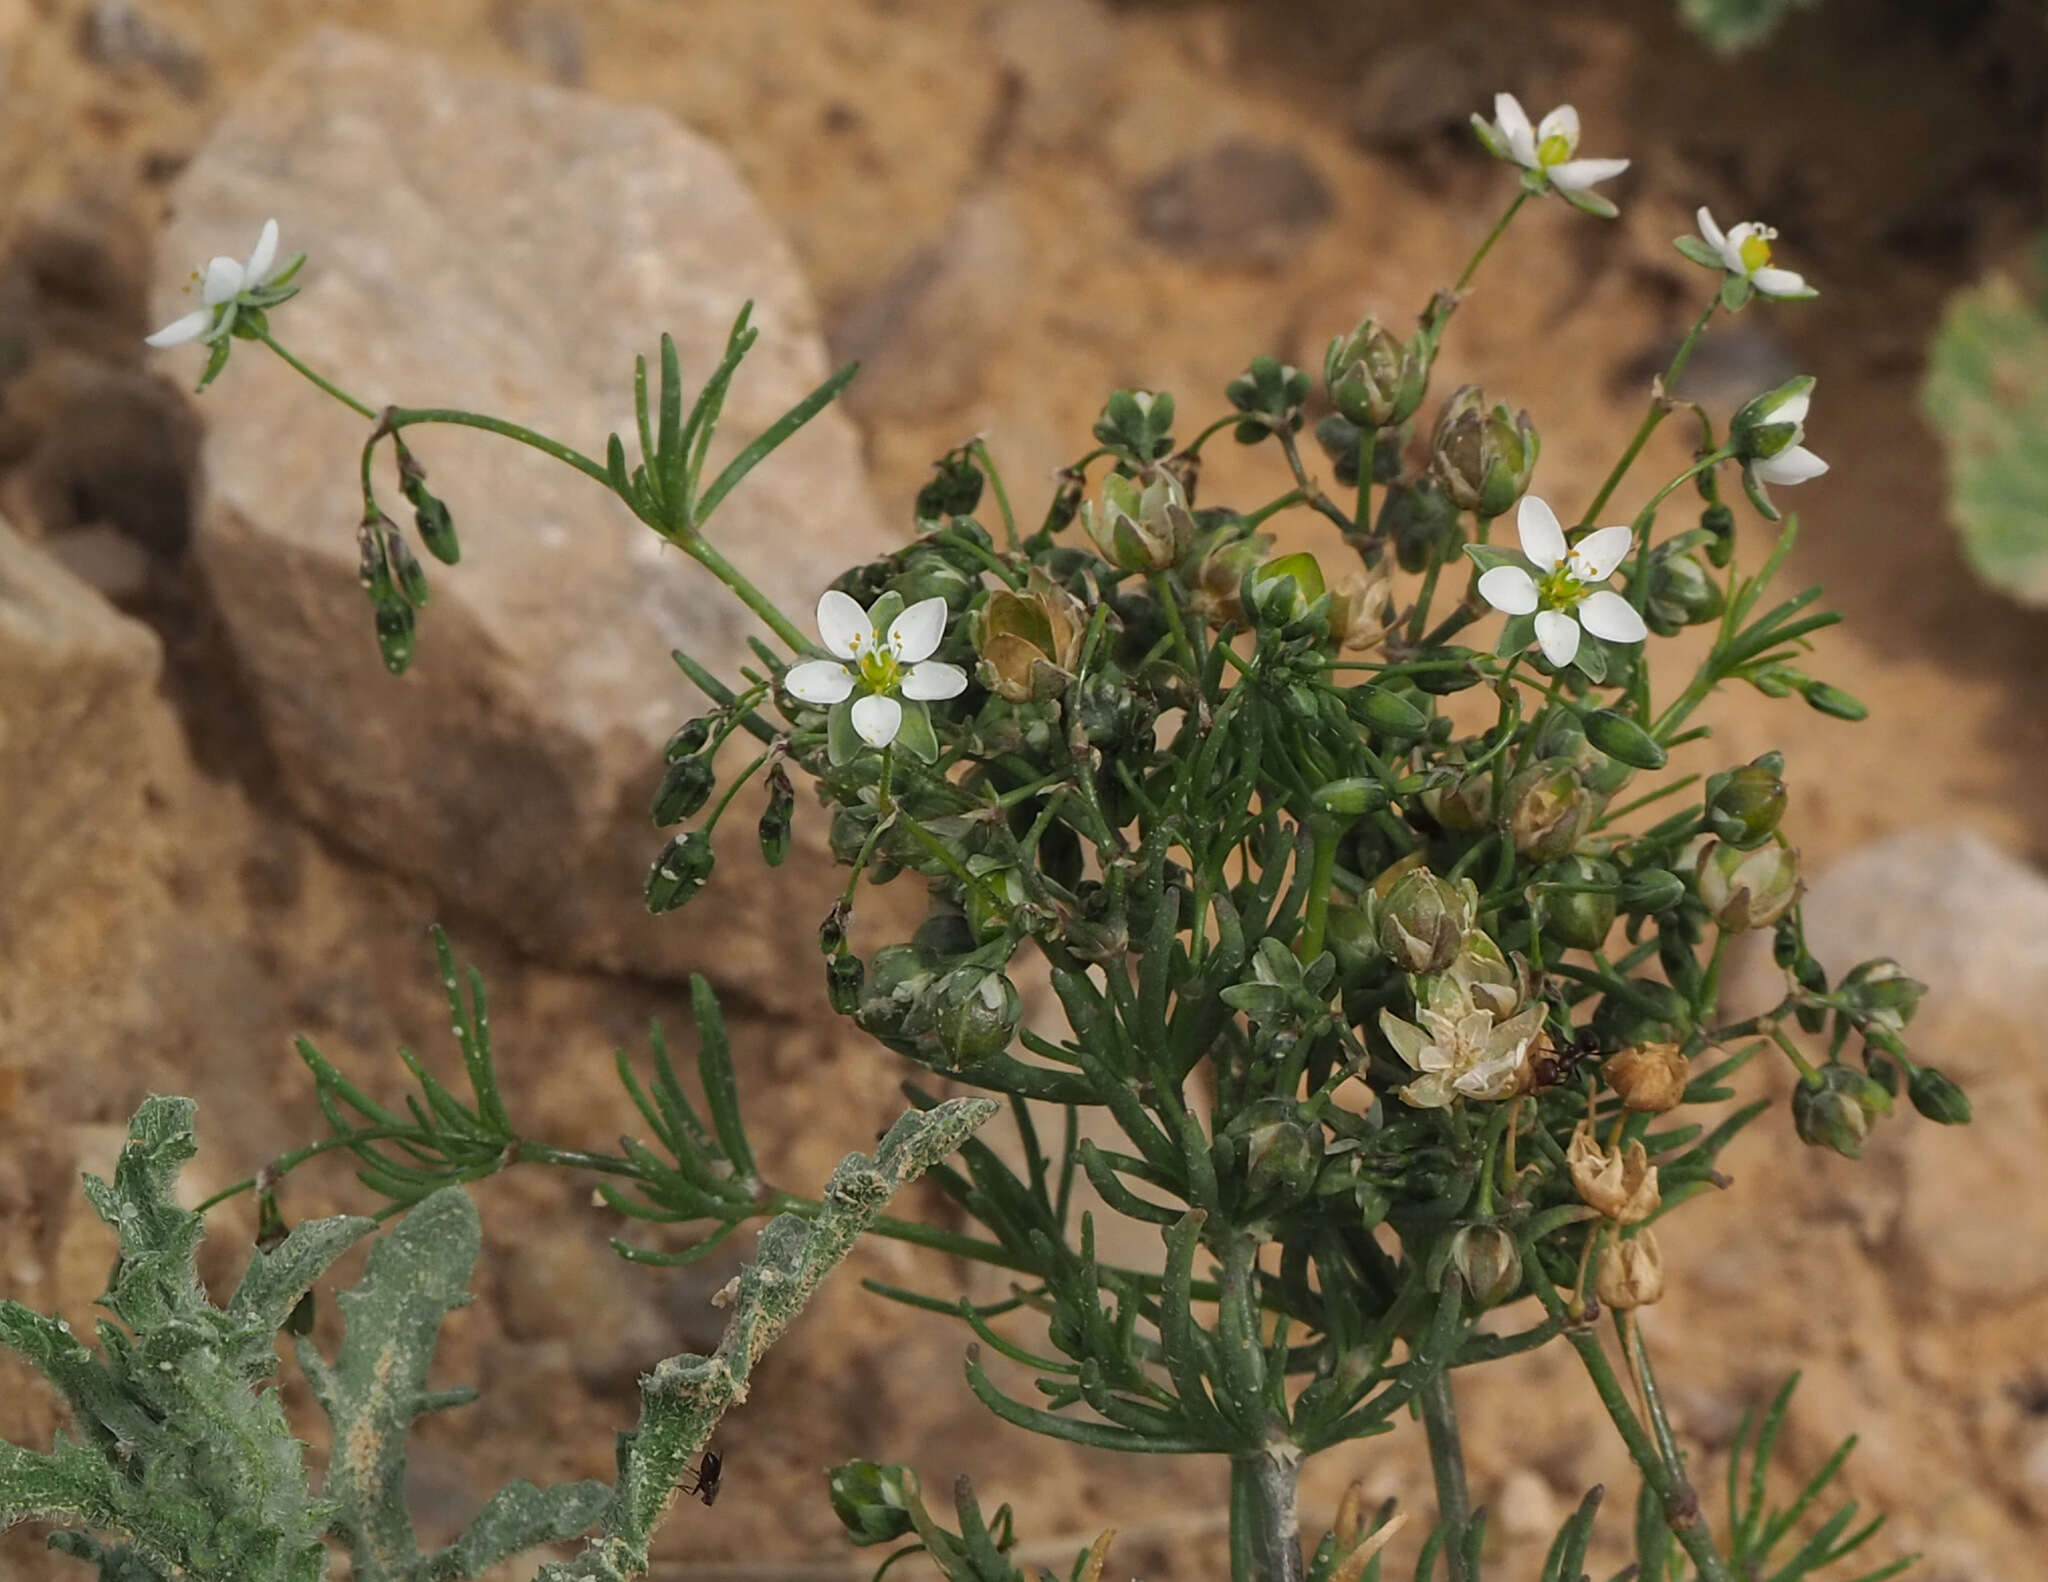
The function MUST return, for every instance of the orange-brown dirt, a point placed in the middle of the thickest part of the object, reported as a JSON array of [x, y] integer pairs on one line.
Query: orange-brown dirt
[[987, 198]]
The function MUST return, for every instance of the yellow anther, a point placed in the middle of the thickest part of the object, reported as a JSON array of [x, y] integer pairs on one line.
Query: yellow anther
[[1553, 150], [1755, 251]]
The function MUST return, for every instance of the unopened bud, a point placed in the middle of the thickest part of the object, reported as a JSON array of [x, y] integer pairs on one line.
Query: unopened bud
[[405, 568], [1880, 992], [954, 488], [1748, 889], [680, 871], [1582, 912], [1937, 1097], [690, 738], [1488, 1261], [844, 977], [1650, 1078], [1631, 1273], [1620, 1183], [873, 1501], [1375, 379], [1349, 798], [1391, 712], [898, 978], [1142, 523], [1834, 1108], [1281, 1153], [395, 634], [1650, 891], [778, 817], [685, 787], [971, 1014], [1623, 740], [1421, 520], [1482, 456], [1745, 805], [1682, 594], [1137, 424]]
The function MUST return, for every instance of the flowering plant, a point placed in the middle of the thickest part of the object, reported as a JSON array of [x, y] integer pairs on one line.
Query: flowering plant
[[1401, 1019]]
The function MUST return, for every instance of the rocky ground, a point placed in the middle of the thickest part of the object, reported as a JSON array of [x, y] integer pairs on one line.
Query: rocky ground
[[223, 829]]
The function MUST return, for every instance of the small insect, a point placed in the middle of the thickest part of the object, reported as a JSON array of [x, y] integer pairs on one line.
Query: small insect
[[705, 1480], [1555, 1065]]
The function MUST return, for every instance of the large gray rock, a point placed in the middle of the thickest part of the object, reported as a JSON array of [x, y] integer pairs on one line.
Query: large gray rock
[[506, 247]]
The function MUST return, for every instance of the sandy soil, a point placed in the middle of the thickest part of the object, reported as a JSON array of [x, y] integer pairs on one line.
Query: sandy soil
[[1009, 209]]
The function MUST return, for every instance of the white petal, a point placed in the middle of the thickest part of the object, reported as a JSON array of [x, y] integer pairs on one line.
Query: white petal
[[1710, 233], [1557, 634], [1607, 614], [1515, 129], [1792, 409], [1561, 122], [222, 282], [1508, 589], [178, 331], [257, 270], [1542, 537], [915, 634], [1600, 551], [1795, 465], [1575, 175], [844, 625], [877, 719], [1781, 283], [819, 681], [934, 680]]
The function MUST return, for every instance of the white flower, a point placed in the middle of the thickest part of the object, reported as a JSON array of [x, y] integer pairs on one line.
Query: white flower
[[883, 665], [1561, 595], [1460, 1051], [1745, 252], [1548, 150], [1792, 462], [223, 286]]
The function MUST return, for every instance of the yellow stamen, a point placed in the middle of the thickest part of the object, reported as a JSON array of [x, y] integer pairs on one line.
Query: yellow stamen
[[1553, 150], [1755, 252]]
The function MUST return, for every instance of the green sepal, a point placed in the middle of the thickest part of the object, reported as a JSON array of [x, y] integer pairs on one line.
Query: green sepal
[[915, 735], [843, 743], [1516, 635], [1699, 252], [1587, 201], [1736, 292], [1488, 557]]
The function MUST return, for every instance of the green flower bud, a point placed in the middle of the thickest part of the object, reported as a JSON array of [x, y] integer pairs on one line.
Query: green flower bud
[[898, 978], [680, 871], [1880, 992], [1651, 890], [1623, 740], [1066, 502], [1482, 457], [1681, 594], [1488, 1261], [1549, 809], [373, 564], [1421, 521], [778, 818], [1422, 920], [1833, 701], [1748, 889], [1137, 424], [954, 489], [1386, 710], [1029, 642], [1281, 1153], [436, 528], [1376, 380], [1744, 805], [971, 1014], [405, 568], [1270, 394], [1343, 441], [873, 1502], [692, 737], [1719, 520], [844, 977], [395, 633], [1937, 1097], [1143, 523], [1284, 589], [1349, 798], [1580, 918], [685, 787], [1834, 1108]]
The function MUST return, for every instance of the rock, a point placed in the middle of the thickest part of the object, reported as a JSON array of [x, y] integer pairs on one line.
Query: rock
[[1238, 202], [1062, 57], [1528, 1507], [1966, 1246], [511, 769], [83, 735], [121, 38]]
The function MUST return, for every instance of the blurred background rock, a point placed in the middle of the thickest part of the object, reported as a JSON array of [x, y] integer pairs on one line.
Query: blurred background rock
[[1004, 209]]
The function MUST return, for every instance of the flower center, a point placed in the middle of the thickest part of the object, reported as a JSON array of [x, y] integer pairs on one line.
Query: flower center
[[879, 671], [1559, 589], [1553, 150], [1755, 251]]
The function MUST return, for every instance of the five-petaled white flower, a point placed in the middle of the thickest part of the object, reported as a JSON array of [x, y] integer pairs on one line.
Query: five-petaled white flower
[[1549, 150], [1745, 252], [223, 285], [883, 664], [1561, 593]]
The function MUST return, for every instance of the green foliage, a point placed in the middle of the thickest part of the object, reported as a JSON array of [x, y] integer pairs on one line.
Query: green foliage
[[1730, 25], [1987, 396], [179, 1451]]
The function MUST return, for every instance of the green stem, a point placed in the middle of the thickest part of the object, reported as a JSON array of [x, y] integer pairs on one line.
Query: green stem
[[1321, 867], [1659, 407], [699, 549], [1265, 1521], [1447, 1466], [325, 384], [995, 482], [400, 417], [1492, 236]]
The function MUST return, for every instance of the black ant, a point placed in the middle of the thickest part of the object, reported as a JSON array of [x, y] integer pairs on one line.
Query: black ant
[[705, 1480], [1557, 1065]]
